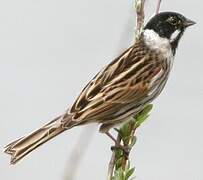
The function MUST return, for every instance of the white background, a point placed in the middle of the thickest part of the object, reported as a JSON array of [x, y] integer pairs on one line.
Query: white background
[[49, 49]]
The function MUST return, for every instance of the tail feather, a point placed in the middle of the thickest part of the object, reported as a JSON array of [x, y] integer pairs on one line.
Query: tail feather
[[21, 147]]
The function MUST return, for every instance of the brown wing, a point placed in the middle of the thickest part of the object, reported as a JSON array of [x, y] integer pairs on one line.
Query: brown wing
[[120, 86]]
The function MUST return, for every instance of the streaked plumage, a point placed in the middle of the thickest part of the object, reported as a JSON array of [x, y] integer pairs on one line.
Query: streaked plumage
[[121, 89]]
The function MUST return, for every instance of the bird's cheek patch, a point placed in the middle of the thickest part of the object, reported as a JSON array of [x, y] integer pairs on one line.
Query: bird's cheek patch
[[174, 35]]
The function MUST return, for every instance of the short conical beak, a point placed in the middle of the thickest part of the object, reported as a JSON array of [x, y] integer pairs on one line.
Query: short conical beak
[[189, 22]]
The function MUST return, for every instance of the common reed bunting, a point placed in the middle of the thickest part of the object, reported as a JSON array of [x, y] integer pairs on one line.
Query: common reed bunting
[[122, 88]]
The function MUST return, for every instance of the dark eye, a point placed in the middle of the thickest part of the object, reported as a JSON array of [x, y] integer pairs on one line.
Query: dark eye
[[172, 21]]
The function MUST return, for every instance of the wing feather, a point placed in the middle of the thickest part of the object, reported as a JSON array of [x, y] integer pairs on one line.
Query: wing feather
[[123, 84]]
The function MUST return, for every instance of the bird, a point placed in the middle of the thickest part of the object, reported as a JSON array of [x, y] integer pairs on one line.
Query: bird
[[122, 88]]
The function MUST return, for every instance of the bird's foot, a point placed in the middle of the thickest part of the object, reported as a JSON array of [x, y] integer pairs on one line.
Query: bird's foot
[[123, 148]]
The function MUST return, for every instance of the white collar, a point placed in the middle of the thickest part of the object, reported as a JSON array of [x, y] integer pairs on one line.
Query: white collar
[[157, 43]]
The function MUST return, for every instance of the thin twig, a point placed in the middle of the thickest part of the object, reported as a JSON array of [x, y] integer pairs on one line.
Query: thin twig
[[112, 161], [158, 6], [128, 143], [139, 5]]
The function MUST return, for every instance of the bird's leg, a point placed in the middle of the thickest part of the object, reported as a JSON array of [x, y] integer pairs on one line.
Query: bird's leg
[[111, 137], [117, 144]]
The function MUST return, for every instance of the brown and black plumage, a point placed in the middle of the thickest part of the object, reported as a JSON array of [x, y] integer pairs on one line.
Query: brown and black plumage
[[122, 88]]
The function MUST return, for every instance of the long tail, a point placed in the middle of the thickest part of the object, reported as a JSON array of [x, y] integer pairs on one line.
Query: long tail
[[21, 147]]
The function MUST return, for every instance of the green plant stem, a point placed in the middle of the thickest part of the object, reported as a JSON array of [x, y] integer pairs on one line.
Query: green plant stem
[[112, 161], [119, 166]]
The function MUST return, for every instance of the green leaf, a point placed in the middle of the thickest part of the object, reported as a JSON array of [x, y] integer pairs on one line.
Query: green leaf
[[129, 173], [125, 130], [127, 167], [121, 174], [118, 153], [116, 175], [119, 163], [143, 115], [133, 141], [147, 109], [141, 119]]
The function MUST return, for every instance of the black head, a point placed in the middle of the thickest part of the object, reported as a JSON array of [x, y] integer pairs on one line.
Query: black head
[[167, 23]]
